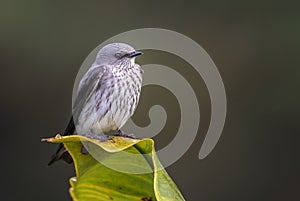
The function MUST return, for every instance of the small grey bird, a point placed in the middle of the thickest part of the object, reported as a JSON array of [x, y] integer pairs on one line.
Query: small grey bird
[[107, 95]]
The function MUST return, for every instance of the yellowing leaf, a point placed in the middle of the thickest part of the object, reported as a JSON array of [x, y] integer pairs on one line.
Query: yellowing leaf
[[118, 169]]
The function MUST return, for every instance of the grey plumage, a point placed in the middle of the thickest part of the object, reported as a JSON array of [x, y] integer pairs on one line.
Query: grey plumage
[[107, 94]]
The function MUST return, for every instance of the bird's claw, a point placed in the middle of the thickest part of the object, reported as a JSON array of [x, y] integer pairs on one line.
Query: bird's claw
[[123, 134], [101, 138]]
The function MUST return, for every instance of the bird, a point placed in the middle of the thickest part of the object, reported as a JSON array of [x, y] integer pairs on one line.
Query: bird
[[107, 96]]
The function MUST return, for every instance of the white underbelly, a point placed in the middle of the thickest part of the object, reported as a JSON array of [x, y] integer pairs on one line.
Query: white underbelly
[[94, 124]]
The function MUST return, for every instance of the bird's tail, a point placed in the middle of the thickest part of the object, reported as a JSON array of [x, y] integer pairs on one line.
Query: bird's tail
[[61, 152]]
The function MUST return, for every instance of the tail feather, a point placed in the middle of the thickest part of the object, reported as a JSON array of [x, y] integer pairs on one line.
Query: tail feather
[[61, 153]]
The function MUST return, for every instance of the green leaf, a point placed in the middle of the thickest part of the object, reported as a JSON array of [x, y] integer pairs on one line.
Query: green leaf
[[118, 169]]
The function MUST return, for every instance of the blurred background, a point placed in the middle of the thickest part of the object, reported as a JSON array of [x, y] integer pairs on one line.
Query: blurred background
[[255, 45]]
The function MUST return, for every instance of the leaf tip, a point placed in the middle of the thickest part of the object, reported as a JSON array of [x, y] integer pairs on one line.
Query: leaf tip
[[57, 137]]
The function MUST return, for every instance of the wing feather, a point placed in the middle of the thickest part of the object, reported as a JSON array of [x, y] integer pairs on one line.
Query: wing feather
[[87, 86]]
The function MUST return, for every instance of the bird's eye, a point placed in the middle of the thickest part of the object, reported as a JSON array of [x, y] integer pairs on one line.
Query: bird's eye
[[118, 55]]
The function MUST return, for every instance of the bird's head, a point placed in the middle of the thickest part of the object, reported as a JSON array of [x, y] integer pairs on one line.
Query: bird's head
[[117, 54]]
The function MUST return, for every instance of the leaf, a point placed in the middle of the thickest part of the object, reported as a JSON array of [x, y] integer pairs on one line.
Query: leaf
[[118, 169]]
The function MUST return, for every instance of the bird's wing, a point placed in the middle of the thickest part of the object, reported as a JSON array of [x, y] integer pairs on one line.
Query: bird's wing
[[87, 86]]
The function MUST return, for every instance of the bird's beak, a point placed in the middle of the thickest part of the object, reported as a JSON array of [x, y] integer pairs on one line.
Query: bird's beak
[[135, 53]]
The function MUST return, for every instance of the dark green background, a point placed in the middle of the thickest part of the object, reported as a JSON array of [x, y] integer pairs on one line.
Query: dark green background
[[255, 45]]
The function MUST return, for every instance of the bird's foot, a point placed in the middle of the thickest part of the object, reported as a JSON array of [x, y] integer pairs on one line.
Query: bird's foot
[[101, 138], [123, 134]]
